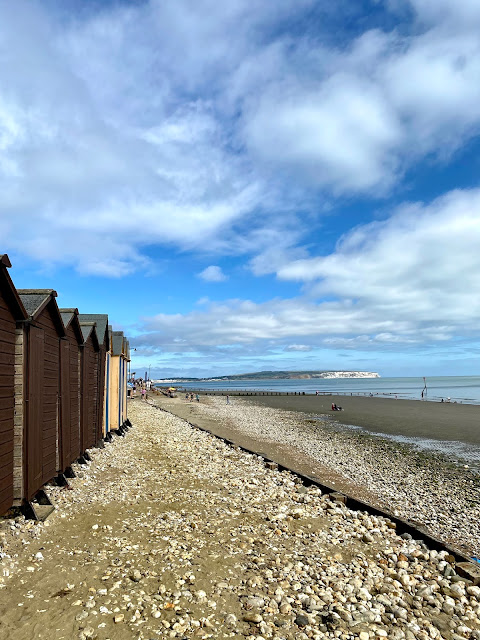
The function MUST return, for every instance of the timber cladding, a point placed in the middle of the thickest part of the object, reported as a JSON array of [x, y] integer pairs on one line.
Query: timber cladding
[[7, 403], [42, 392], [70, 353], [90, 427]]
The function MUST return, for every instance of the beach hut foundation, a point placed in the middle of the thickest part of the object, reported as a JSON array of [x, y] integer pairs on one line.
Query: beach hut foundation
[[61, 480], [69, 473], [39, 508]]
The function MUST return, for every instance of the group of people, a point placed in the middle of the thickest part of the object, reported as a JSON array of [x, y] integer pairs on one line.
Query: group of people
[[190, 397], [142, 385]]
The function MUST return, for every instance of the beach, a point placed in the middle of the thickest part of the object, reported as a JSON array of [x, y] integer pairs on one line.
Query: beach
[[427, 488], [411, 418], [169, 532]]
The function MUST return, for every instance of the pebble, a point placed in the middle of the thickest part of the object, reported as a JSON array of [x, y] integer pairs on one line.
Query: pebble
[[208, 542]]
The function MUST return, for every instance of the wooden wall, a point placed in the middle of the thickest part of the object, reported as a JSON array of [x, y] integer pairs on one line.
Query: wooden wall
[[90, 399], [70, 353], [7, 371], [42, 413]]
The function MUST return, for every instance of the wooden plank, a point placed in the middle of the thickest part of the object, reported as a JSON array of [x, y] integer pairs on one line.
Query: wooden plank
[[6, 418], [6, 446], [6, 316], [7, 358], [6, 336], [34, 412], [65, 407], [6, 498], [7, 401]]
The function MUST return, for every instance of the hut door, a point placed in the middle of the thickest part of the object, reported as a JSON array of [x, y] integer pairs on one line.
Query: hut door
[[35, 412], [65, 417]]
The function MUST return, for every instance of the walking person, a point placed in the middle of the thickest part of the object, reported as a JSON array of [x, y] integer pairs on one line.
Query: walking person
[[144, 393], [228, 399]]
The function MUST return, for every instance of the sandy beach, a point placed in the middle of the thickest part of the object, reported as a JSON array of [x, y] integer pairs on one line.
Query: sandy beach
[[412, 418], [432, 490]]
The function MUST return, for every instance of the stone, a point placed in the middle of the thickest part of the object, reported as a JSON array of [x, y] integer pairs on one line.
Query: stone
[[256, 618], [301, 620], [469, 570]]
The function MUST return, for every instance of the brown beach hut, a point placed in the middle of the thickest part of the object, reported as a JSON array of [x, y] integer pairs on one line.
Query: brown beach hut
[[101, 326], [71, 349], [90, 426], [11, 312], [37, 407]]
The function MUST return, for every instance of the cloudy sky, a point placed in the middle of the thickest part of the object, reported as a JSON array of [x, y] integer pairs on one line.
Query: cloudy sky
[[279, 184]]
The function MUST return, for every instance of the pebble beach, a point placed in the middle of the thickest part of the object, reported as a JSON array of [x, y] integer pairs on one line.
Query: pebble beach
[[170, 532], [430, 490]]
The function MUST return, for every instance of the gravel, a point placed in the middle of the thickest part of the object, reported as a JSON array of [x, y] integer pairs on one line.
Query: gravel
[[171, 533]]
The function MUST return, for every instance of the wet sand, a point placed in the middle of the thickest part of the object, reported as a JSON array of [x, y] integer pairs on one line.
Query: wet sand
[[410, 418]]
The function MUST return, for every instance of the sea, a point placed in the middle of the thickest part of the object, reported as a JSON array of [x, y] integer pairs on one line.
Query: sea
[[464, 389]]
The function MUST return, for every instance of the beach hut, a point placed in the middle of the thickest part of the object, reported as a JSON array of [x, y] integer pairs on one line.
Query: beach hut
[[90, 426], [71, 349], [101, 326], [37, 406], [118, 386], [11, 312]]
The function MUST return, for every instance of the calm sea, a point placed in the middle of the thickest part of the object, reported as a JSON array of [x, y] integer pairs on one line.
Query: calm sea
[[464, 389]]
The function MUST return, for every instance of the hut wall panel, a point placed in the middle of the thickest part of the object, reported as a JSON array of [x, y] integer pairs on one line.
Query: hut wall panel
[[7, 401], [89, 395], [34, 452], [64, 439], [74, 404], [19, 415], [101, 392], [51, 382]]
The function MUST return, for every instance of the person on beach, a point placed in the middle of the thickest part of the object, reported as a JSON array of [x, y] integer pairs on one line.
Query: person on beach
[[228, 399], [197, 398], [144, 393]]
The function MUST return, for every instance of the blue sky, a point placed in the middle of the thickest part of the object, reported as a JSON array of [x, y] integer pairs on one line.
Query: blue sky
[[244, 186]]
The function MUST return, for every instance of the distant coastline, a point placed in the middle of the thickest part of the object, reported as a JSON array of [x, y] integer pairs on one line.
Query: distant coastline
[[279, 375]]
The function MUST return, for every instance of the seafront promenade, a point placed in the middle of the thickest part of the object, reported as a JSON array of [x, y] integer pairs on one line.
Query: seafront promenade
[[171, 533]]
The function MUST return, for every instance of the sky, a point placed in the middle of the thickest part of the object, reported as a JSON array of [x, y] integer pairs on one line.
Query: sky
[[288, 184]]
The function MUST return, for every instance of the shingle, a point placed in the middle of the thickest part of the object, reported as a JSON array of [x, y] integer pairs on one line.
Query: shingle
[[87, 328], [67, 315], [32, 299], [117, 343], [100, 319]]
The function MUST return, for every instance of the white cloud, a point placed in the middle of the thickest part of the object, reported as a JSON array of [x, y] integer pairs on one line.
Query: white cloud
[[212, 274], [298, 347], [409, 280], [209, 126]]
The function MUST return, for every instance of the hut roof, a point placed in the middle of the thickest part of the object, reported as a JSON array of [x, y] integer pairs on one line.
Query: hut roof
[[89, 329], [67, 315], [117, 343], [35, 301], [8, 290], [70, 316], [100, 319]]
